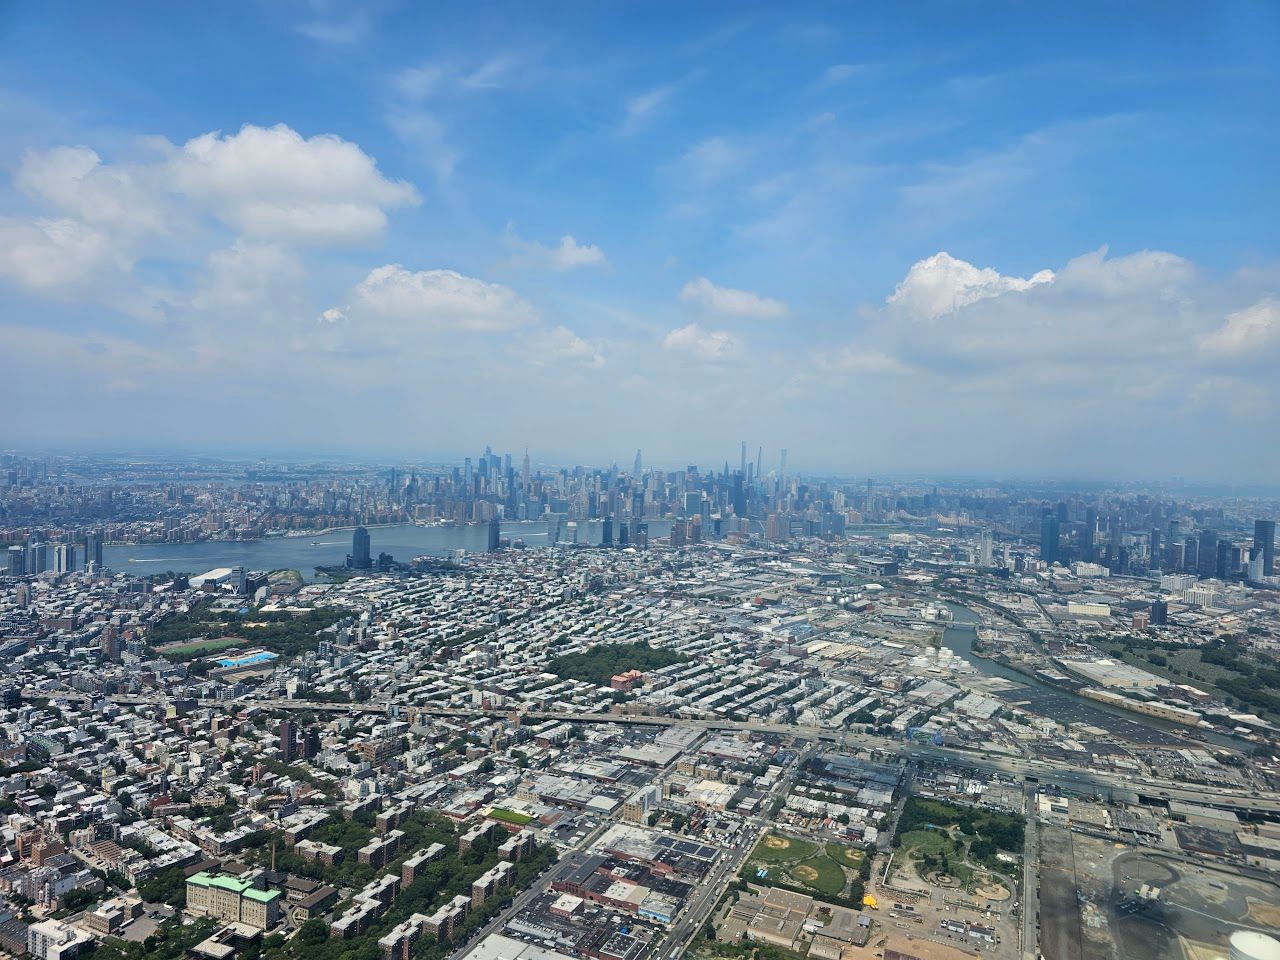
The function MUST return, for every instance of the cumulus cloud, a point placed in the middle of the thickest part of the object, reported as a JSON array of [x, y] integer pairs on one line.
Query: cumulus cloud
[[708, 346], [1249, 334], [730, 302], [942, 284], [440, 300], [128, 200], [568, 254], [273, 182]]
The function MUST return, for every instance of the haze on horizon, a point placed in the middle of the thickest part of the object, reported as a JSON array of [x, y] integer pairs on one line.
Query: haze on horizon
[[956, 239]]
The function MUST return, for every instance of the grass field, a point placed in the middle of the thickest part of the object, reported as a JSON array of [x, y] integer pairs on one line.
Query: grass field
[[820, 873], [510, 816], [846, 856], [775, 848], [933, 842], [198, 647]]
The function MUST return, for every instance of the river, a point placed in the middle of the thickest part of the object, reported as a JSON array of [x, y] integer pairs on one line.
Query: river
[[1059, 704], [404, 541]]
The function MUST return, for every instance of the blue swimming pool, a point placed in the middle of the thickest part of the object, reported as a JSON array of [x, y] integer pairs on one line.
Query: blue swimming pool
[[262, 656]]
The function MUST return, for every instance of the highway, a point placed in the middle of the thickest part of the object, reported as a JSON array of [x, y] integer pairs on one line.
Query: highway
[[1051, 772]]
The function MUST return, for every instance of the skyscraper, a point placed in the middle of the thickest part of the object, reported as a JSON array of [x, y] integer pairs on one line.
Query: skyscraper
[[1264, 539], [1049, 534], [37, 558], [742, 466], [360, 558], [17, 561], [93, 550], [288, 740], [984, 549], [1207, 553], [495, 533], [639, 464], [64, 558], [606, 532]]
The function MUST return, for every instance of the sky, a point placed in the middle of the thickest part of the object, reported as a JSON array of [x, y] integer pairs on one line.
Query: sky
[[963, 238]]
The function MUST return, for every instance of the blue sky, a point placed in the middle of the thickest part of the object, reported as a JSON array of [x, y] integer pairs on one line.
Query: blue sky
[[1020, 238]]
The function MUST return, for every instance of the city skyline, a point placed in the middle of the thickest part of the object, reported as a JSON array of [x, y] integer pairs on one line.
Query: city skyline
[[989, 243]]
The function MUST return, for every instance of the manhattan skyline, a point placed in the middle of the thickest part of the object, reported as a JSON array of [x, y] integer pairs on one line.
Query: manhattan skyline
[[995, 241]]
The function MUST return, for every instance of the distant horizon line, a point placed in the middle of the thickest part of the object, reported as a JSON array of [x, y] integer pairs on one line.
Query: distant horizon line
[[391, 460]]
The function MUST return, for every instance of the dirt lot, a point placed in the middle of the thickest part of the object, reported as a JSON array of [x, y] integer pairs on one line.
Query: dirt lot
[[1137, 904]]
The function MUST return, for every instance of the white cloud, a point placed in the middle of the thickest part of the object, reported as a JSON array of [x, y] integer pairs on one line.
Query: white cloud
[[438, 300], [560, 344], [57, 257], [730, 302], [568, 254], [274, 183], [641, 108], [839, 72], [709, 346], [1251, 333], [127, 200], [271, 184], [711, 160], [942, 284], [264, 280]]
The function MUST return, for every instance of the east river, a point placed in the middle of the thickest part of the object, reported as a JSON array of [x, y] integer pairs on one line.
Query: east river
[[403, 541]]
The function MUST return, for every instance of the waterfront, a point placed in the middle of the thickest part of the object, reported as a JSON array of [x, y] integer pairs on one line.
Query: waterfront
[[403, 541], [1063, 705]]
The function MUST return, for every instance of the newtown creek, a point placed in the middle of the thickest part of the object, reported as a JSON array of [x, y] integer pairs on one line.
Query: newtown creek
[[403, 541], [1047, 700]]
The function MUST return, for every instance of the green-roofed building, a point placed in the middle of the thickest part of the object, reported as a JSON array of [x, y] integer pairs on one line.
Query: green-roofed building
[[233, 899]]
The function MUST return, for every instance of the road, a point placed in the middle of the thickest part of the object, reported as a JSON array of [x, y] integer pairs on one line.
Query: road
[[571, 858], [1030, 940], [1079, 778], [690, 921]]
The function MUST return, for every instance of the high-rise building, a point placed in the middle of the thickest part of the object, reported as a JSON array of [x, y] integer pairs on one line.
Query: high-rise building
[[1264, 539], [742, 463], [1190, 555], [1088, 535], [984, 549], [639, 464], [288, 740], [93, 550], [1222, 566], [360, 558], [1159, 613], [1156, 559], [64, 558], [17, 561], [1049, 535], [606, 532], [1207, 553], [37, 558], [495, 533], [739, 496], [310, 743]]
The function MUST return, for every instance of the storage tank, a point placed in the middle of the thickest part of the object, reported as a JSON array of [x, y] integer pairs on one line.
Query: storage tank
[[1247, 945]]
